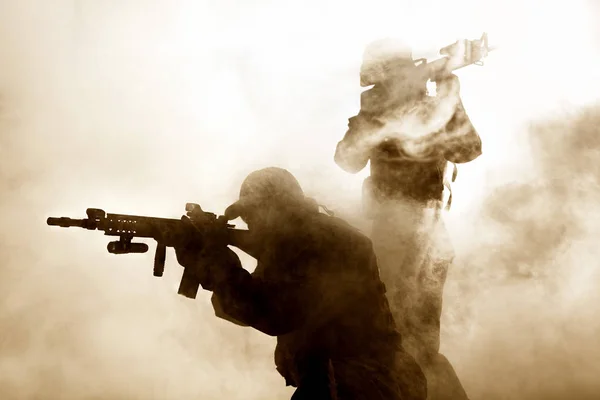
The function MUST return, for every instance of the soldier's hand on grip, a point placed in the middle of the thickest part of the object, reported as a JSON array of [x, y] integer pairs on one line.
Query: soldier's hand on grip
[[190, 252]]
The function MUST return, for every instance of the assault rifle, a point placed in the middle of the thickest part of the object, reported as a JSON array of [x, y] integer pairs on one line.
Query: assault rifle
[[457, 55], [207, 230]]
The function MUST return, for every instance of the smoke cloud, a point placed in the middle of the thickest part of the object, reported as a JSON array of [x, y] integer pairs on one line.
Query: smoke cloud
[[139, 107]]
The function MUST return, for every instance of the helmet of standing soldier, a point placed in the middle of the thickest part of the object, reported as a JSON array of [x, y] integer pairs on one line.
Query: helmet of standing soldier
[[265, 188], [382, 58]]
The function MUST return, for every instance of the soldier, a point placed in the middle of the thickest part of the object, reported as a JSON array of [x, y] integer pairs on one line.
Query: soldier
[[409, 137], [316, 288]]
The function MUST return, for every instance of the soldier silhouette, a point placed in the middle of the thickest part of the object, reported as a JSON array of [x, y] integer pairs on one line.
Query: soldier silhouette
[[316, 288], [409, 138]]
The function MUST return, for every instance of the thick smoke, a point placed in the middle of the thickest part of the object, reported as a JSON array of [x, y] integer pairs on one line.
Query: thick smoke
[[139, 107], [526, 292]]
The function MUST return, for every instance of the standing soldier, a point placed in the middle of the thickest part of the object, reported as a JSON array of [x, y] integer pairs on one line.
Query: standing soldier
[[409, 137]]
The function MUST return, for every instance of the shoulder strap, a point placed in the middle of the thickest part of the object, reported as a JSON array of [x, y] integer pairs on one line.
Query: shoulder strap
[[448, 185], [327, 210]]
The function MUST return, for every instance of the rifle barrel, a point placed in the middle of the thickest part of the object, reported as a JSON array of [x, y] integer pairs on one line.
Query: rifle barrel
[[65, 222]]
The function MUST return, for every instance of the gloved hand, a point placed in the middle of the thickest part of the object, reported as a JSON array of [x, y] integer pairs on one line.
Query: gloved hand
[[193, 249], [212, 263]]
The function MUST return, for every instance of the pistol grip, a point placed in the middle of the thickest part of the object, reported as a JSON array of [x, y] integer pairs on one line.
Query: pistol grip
[[159, 259]]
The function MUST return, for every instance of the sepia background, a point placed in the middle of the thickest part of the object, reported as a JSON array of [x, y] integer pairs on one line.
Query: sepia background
[[141, 106]]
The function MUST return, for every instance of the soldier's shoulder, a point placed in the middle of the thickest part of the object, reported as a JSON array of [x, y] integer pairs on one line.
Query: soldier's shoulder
[[371, 100], [343, 232]]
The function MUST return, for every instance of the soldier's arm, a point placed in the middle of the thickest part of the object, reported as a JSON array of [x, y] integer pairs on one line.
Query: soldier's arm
[[364, 130], [218, 307], [274, 308], [434, 113], [353, 151], [245, 299], [444, 126], [220, 312], [463, 143]]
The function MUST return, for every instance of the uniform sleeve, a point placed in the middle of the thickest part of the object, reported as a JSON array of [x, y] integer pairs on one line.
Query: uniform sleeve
[[272, 307], [220, 312], [353, 151], [463, 143], [218, 307], [446, 129]]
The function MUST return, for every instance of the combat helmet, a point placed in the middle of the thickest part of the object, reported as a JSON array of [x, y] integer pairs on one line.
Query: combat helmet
[[380, 56], [272, 185]]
